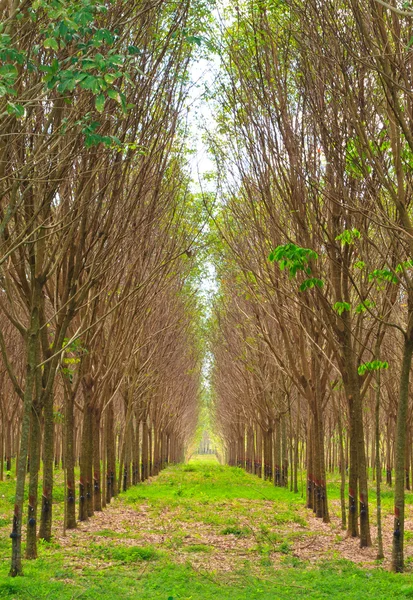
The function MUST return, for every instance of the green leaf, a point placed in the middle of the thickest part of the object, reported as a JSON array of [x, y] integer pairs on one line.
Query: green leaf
[[114, 94], [360, 264], [293, 258], [382, 275], [133, 50], [308, 284], [408, 264], [100, 102], [109, 78], [90, 83], [363, 306], [375, 365], [194, 39], [88, 64], [99, 60], [51, 43], [15, 109], [8, 70], [340, 307], [349, 236]]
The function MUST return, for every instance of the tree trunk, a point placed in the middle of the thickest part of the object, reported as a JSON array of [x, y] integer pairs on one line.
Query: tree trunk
[[258, 451], [342, 471], [399, 462], [45, 530], [31, 366], [380, 553], [267, 436], [97, 495], [278, 454], [35, 443], [352, 528], [388, 452], [137, 454], [85, 464], [310, 463], [145, 450], [111, 487], [70, 461]]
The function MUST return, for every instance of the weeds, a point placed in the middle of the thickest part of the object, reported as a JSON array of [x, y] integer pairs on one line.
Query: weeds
[[220, 534]]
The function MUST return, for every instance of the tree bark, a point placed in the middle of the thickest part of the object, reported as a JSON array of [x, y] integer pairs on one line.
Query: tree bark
[[70, 462], [35, 444], [380, 553], [400, 454], [31, 366], [45, 530]]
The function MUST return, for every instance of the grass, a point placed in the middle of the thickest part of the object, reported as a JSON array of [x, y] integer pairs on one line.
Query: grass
[[199, 531]]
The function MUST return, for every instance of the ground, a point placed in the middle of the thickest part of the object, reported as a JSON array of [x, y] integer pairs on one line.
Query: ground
[[204, 531]]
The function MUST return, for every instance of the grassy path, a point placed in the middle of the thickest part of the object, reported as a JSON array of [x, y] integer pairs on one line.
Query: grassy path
[[201, 532]]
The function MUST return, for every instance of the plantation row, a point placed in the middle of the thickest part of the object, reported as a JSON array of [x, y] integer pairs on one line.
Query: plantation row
[[313, 324], [99, 358]]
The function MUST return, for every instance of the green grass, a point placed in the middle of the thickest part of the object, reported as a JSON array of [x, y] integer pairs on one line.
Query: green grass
[[202, 532], [340, 579]]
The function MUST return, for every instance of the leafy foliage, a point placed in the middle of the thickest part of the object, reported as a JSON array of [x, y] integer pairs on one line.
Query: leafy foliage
[[73, 52], [310, 283], [349, 236], [363, 306], [77, 350], [356, 165], [374, 365], [407, 264], [293, 258], [360, 264], [383, 275], [340, 307]]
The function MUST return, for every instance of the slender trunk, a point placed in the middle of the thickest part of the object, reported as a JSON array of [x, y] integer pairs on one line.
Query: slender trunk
[[322, 501], [85, 464], [310, 466], [8, 448], [284, 450], [32, 345], [365, 539], [111, 487], [103, 457], [45, 530], [277, 454], [342, 471], [69, 461], [155, 469], [257, 462], [137, 452], [145, 450], [267, 436], [35, 441], [399, 462], [352, 528], [150, 450], [407, 462], [97, 495], [296, 446], [380, 553]]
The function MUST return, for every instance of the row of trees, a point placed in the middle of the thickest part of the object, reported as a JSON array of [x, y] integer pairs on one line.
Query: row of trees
[[314, 150], [96, 230]]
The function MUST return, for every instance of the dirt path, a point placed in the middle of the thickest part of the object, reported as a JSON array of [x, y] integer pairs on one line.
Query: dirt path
[[200, 517]]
